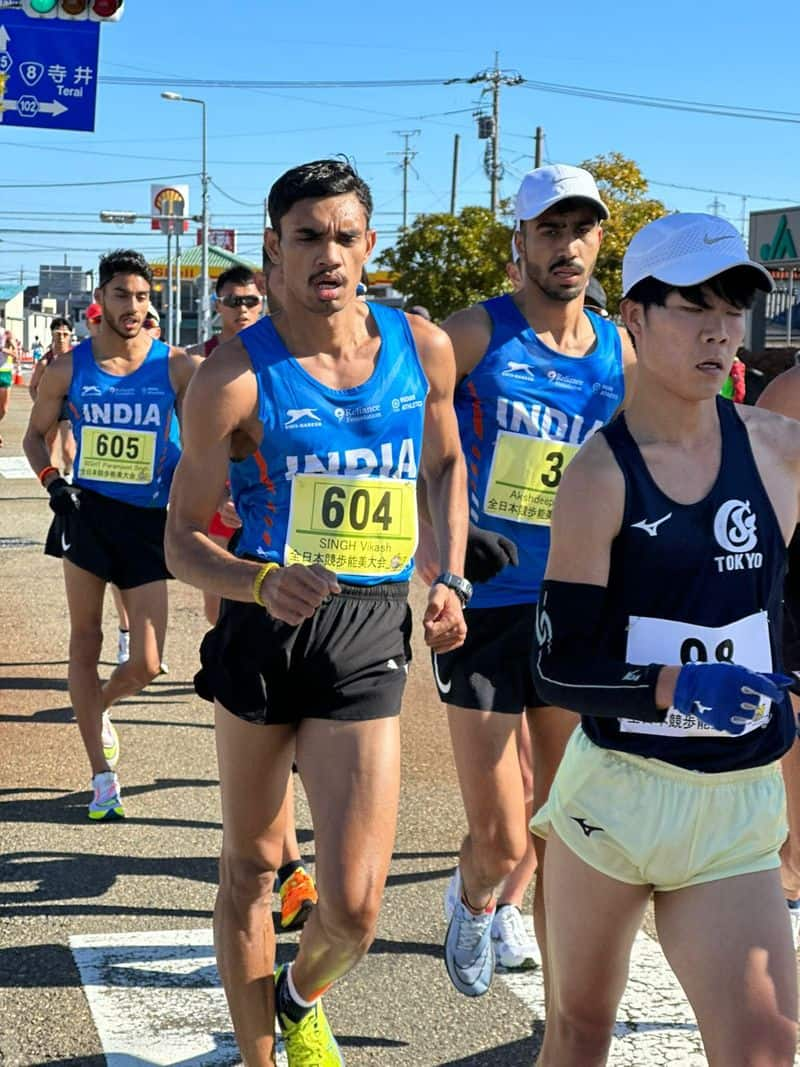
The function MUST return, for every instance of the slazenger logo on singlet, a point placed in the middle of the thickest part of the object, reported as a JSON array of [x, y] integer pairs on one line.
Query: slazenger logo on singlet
[[735, 531]]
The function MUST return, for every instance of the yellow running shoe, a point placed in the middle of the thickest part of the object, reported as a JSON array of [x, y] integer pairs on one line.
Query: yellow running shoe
[[110, 741], [309, 1043], [298, 897]]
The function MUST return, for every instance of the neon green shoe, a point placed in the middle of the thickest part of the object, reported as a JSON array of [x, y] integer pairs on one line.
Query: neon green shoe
[[110, 741], [309, 1043], [106, 802]]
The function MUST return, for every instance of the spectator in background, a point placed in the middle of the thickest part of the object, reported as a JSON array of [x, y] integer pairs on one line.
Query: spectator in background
[[59, 439], [8, 356]]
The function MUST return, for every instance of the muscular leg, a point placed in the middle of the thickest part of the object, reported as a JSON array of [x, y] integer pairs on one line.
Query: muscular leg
[[550, 728], [351, 774], [4, 396], [730, 945], [291, 848], [515, 885], [119, 604], [587, 961], [147, 610], [254, 766], [85, 593]]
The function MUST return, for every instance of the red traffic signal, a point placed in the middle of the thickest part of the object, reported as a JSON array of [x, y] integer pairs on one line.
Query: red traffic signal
[[96, 10]]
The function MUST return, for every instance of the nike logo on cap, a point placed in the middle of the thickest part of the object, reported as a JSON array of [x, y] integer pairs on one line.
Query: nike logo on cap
[[713, 240]]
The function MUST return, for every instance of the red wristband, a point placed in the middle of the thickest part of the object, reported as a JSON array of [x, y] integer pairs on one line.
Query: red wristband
[[45, 471]]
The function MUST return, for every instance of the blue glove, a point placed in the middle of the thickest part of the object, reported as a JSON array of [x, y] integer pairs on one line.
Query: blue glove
[[725, 695]]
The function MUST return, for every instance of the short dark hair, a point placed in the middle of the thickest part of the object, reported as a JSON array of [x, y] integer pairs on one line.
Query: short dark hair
[[321, 178], [737, 287], [124, 261], [238, 275], [59, 321]]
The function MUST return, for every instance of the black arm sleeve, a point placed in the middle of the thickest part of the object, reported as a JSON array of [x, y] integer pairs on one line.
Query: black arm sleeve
[[570, 672]]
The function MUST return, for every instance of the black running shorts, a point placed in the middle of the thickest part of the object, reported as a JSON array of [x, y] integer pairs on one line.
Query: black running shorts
[[348, 662], [491, 670], [120, 543]]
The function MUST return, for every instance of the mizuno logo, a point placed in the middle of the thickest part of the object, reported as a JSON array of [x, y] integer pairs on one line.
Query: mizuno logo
[[714, 240], [700, 708], [587, 828], [65, 547], [651, 528], [442, 687], [299, 414]]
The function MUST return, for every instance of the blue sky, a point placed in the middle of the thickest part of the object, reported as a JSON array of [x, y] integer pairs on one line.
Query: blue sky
[[710, 52]]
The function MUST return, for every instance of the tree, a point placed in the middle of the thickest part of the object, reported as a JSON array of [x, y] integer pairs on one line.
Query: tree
[[447, 262], [623, 189]]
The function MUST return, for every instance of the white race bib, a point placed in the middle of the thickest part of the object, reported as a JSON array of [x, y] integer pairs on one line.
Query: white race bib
[[745, 642]]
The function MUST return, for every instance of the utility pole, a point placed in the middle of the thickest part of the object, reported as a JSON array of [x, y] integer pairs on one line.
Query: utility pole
[[493, 79], [407, 155], [715, 205], [454, 181], [537, 155]]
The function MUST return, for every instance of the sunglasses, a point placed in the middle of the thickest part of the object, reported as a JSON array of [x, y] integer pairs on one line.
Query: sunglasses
[[240, 301]]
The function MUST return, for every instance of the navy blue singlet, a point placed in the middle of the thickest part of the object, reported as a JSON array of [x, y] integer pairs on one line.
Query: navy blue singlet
[[702, 582]]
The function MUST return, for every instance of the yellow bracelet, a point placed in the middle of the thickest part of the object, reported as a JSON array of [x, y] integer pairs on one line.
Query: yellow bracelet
[[258, 581]]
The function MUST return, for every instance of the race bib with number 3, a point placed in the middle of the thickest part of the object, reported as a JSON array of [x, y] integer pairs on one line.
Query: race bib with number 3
[[525, 474], [745, 642], [113, 455], [353, 526]]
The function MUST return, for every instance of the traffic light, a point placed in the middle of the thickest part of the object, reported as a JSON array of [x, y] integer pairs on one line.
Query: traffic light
[[73, 10]]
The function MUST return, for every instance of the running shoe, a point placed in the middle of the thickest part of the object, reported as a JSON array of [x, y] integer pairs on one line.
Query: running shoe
[[468, 948], [123, 646], [794, 918], [110, 741], [309, 1043], [163, 668], [514, 948], [298, 897], [452, 894], [106, 802]]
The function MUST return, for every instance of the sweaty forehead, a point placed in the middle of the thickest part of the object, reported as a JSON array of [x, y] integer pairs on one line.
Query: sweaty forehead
[[330, 212], [129, 283]]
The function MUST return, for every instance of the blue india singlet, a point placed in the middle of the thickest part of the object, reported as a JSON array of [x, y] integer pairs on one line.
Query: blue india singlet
[[123, 428], [699, 582], [522, 412], [334, 478]]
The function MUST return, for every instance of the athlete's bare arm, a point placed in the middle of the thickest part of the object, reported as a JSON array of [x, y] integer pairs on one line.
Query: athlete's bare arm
[[445, 477], [628, 365], [222, 401], [470, 331], [182, 365], [53, 387], [775, 440]]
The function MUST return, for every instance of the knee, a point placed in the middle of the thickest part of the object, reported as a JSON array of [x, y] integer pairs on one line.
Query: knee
[[247, 879], [85, 645], [582, 1027], [349, 918]]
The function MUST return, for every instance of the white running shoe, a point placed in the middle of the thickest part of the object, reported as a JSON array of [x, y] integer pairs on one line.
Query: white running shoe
[[123, 646], [106, 802], [794, 919], [514, 948]]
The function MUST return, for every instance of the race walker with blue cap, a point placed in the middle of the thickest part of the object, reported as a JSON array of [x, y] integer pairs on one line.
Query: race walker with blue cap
[[121, 389], [660, 623], [537, 376]]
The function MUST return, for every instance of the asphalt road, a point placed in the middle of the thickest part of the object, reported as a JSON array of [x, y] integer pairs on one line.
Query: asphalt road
[[134, 887]]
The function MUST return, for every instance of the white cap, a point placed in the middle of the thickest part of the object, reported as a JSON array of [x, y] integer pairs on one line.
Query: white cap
[[687, 249], [545, 186]]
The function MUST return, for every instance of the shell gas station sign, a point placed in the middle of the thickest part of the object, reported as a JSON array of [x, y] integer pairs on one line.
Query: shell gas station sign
[[171, 203]]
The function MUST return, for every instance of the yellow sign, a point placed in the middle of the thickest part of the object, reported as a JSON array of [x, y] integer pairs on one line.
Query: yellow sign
[[525, 474], [112, 455], [353, 526]]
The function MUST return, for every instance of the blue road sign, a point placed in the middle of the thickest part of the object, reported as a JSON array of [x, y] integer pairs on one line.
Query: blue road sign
[[48, 72]]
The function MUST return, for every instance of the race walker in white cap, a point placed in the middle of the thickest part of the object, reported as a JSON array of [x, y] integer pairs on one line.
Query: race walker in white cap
[[537, 375], [659, 622]]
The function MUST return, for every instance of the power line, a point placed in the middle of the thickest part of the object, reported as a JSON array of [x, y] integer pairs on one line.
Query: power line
[[100, 181]]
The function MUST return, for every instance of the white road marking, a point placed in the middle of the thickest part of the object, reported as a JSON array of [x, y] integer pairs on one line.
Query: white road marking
[[15, 467], [156, 999], [655, 1025]]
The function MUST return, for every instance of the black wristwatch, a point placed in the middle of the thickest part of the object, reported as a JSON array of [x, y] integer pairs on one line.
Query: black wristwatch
[[459, 585]]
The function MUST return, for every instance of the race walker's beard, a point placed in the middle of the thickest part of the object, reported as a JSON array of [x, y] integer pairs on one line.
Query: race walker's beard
[[558, 292], [119, 329]]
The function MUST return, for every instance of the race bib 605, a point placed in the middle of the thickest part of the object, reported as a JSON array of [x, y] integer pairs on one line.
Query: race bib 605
[[112, 455]]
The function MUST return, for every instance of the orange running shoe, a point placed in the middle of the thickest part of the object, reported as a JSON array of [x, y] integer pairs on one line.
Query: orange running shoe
[[298, 897]]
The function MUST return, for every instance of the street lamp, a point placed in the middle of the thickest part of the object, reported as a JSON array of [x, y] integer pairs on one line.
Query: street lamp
[[202, 324]]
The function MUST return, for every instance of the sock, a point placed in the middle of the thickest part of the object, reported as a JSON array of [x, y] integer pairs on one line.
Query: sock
[[485, 910], [288, 1001], [287, 870], [122, 631], [793, 905]]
